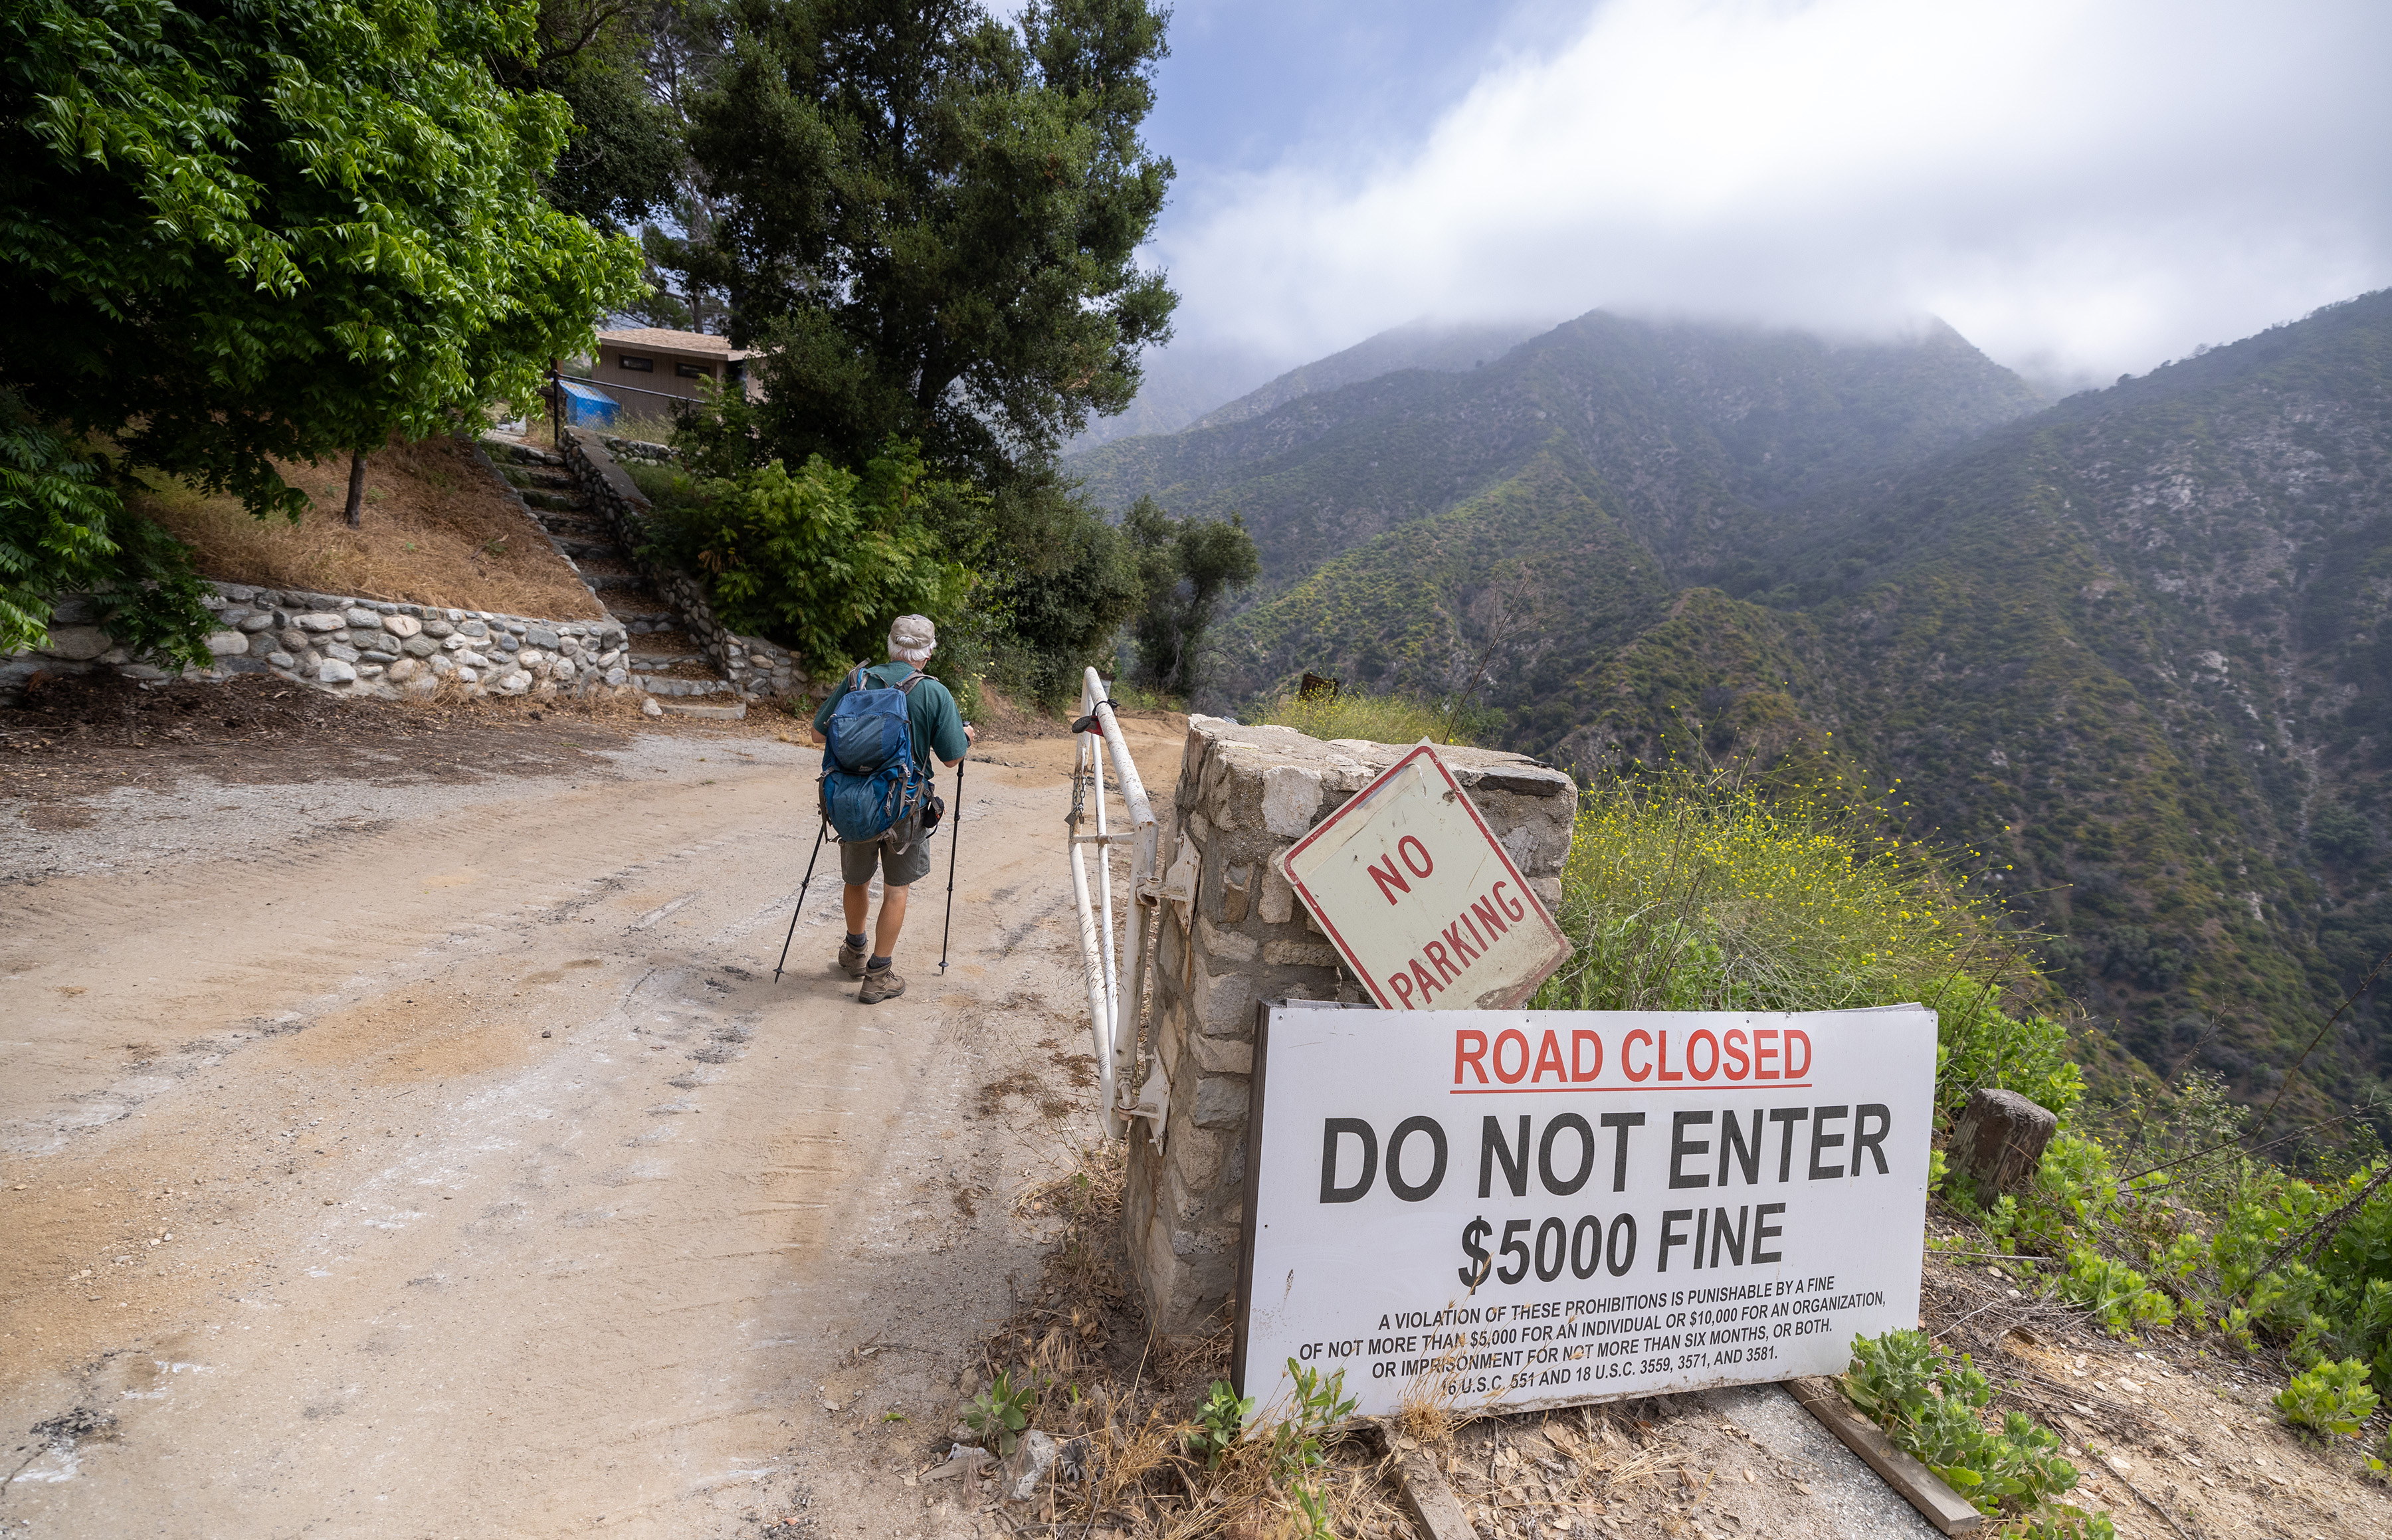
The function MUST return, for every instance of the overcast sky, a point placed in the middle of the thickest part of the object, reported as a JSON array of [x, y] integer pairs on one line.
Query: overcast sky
[[2082, 189]]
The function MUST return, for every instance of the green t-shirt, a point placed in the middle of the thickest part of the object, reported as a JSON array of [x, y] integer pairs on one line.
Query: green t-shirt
[[938, 726]]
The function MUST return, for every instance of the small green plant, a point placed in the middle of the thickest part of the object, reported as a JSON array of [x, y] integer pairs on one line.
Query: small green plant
[[1929, 1404], [2120, 1298], [1320, 1404], [1316, 1514], [1218, 1422], [2067, 1521], [999, 1413], [2332, 1398]]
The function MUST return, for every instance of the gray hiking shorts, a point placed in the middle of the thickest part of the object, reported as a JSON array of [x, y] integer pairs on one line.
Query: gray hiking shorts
[[902, 855]]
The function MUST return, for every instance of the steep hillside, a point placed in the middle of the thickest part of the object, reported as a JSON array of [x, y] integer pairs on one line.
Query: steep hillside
[[2139, 642], [1693, 433], [2137, 648]]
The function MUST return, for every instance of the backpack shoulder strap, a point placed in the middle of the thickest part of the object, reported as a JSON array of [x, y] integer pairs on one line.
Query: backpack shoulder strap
[[906, 686], [859, 682]]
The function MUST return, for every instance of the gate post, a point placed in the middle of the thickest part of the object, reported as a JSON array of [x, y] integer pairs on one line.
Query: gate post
[[1232, 932]]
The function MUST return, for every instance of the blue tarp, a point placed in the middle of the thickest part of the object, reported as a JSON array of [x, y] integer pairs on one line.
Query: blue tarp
[[585, 407]]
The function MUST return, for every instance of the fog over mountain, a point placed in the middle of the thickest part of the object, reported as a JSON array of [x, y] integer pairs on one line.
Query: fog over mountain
[[2081, 190]]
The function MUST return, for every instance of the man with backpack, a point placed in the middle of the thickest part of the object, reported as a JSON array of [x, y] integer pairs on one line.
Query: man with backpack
[[879, 729]]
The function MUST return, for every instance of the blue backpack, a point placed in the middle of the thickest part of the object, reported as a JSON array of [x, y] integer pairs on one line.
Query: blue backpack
[[869, 780]]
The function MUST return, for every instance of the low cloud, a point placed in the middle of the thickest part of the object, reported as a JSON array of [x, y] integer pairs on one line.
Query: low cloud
[[2081, 188]]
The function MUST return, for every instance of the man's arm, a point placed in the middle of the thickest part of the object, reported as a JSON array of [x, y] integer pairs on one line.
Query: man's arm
[[950, 738], [970, 736]]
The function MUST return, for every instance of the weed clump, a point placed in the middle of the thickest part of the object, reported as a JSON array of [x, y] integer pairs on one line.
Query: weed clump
[[1376, 718]]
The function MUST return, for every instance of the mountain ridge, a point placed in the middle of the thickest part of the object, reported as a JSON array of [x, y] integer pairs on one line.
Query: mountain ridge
[[2133, 646]]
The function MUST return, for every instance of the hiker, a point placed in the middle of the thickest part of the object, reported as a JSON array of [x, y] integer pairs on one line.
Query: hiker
[[901, 848]]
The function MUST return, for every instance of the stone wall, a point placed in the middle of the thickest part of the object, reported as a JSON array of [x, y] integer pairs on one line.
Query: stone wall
[[756, 667], [353, 646], [1245, 794]]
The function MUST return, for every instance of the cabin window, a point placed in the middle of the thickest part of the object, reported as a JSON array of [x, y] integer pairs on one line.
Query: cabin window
[[694, 372], [643, 366]]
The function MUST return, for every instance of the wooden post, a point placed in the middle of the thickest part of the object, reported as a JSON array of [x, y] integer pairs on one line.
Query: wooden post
[[1999, 1141]]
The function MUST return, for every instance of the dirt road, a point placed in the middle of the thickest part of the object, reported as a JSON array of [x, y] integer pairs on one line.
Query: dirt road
[[423, 1157]]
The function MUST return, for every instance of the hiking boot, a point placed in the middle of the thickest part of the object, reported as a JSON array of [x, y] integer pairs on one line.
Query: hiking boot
[[878, 985], [851, 959]]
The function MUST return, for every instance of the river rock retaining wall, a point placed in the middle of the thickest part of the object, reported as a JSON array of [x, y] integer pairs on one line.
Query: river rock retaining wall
[[353, 646], [1245, 794], [756, 668]]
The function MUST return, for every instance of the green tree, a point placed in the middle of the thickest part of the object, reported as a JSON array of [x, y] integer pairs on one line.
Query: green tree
[[64, 530], [283, 228], [623, 158], [930, 220], [1060, 581], [1185, 567]]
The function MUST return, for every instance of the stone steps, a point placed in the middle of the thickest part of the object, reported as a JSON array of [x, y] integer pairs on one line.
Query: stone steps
[[670, 666], [663, 685]]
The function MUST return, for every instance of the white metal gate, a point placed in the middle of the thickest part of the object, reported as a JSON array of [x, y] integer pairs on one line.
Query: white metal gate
[[1116, 973]]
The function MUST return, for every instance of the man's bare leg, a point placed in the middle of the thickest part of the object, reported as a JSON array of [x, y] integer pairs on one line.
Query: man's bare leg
[[892, 919]]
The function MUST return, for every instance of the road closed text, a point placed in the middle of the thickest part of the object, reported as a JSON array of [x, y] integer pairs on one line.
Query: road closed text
[[1731, 1056]]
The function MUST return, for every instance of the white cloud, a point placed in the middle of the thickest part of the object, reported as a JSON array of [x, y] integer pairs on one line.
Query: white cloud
[[2082, 188]]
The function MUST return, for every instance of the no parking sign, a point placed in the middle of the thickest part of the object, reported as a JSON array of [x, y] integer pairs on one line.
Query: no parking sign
[[1420, 899]]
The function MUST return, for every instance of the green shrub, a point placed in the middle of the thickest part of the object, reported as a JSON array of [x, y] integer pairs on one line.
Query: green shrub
[[1978, 1044], [2120, 1298], [2332, 1398], [1929, 1406], [1690, 892], [819, 560]]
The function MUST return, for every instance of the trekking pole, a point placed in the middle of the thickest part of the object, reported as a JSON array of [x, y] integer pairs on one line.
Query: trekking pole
[[954, 830], [820, 831]]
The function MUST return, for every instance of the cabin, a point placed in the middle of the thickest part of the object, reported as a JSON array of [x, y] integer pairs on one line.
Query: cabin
[[638, 365]]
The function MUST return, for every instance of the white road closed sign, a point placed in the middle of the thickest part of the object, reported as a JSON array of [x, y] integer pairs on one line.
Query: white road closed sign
[[1417, 896], [1530, 1208]]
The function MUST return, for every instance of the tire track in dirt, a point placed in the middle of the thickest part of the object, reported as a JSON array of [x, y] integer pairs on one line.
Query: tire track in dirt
[[504, 1215]]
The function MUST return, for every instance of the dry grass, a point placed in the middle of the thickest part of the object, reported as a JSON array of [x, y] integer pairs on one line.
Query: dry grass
[[1130, 1399], [437, 530]]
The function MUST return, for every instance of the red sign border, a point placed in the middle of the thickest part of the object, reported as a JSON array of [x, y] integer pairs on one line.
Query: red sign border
[[1286, 869]]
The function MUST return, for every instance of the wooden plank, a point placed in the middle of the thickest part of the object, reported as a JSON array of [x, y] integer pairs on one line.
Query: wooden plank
[[1944, 1508], [1431, 1504]]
